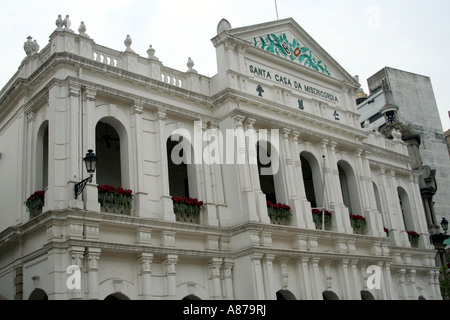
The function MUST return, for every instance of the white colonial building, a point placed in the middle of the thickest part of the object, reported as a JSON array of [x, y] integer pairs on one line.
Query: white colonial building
[[273, 80]]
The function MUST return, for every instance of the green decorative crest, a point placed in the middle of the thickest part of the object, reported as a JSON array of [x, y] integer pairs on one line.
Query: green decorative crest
[[294, 50]]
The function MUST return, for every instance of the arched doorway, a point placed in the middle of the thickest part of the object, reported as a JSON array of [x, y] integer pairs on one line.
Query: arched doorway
[[329, 295], [191, 297], [284, 294], [117, 296], [38, 294], [366, 295]]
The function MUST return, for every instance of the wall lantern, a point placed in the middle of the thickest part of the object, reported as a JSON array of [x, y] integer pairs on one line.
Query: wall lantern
[[91, 162], [444, 225]]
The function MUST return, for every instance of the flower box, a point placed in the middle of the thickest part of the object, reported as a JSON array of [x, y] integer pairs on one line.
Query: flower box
[[413, 238], [187, 209], [279, 213], [35, 202], [115, 200], [359, 224], [317, 218]]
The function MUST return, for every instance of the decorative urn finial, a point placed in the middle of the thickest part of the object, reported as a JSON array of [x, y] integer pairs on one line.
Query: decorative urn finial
[[67, 23], [34, 46], [82, 29], [27, 46], [190, 65], [59, 22], [128, 41]]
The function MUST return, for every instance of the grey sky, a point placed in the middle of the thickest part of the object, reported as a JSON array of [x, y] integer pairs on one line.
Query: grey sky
[[362, 36]]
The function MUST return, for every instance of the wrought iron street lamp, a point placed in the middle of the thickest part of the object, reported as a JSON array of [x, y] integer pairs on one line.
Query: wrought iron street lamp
[[91, 162]]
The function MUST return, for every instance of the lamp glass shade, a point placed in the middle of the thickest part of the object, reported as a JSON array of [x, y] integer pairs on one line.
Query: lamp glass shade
[[444, 224], [90, 161]]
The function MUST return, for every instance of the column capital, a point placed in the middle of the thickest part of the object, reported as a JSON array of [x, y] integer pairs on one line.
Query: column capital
[[92, 260], [138, 106], [250, 123], [295, 135], [74, 89], [90, 93], [239, 120], [145, 261], [160, 114], [170, 263], [286, 132], [215, 265]]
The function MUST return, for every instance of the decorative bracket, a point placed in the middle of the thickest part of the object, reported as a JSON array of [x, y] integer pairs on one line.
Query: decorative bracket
[[79, 187]]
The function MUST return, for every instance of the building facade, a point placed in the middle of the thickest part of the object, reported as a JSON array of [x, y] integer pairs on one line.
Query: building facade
[[413, 95], [297, 201]]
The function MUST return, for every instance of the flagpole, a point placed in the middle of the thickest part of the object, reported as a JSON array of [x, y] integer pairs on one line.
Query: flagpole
[[276, 8]]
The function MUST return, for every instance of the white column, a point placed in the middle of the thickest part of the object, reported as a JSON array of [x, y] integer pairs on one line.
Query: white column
[[145, 262], [431, 285], [355, 283], [170, 273], [348, 292], [210, 212], [316, 284], [362, 182], [167, 205], [401, 280], [437, 287], [90, 194], [269, 286], [248, 174], [92, 257], [214, 277], [136, 154], [305, 284], [73, 121], [418, 211], [77, 257], [258, 279], [30, 182], [411, 275], [303, 213], [227, 278], [286, 163]]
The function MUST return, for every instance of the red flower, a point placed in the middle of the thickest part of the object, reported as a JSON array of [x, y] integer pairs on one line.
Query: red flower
[[413, 233]]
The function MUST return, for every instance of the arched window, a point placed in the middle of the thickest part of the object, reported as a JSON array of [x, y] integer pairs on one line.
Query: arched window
[[38, 294], [177, 167], [265, 171], [108, 150], [191, 297], [366, 295], [349, 188], [117, 296], [329, 295], [284, 294], [312, 179], [405, 206], [42, 157]]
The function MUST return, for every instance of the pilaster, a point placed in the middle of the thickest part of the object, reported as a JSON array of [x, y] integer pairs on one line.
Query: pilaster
[[170, 273], [145, 262], [92, 257]]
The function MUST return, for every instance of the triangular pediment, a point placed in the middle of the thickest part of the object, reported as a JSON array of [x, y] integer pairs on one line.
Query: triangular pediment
[[287, 40]]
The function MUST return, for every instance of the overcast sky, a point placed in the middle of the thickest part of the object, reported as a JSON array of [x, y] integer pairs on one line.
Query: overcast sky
[[363, 36]]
